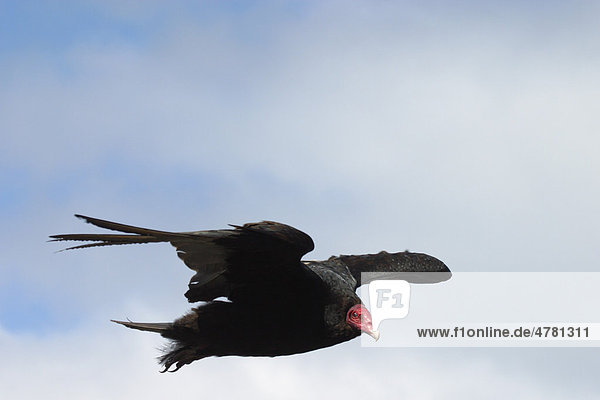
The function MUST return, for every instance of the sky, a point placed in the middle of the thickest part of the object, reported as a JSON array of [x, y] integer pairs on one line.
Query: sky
[[466, 130]]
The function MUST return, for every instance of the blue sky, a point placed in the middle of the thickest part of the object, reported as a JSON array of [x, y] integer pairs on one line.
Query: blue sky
[[468, 131]]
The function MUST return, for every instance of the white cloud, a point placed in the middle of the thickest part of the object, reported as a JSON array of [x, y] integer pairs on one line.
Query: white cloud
[[99, 362]]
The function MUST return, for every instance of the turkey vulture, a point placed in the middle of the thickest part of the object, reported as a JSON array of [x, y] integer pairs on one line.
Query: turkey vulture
[[278, 304]]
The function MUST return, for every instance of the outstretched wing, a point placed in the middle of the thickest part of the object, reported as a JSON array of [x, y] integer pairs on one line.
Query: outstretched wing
[[412, 267], [256, 262]]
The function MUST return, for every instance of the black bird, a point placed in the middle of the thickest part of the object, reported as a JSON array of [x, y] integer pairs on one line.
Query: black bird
[[278, 304]]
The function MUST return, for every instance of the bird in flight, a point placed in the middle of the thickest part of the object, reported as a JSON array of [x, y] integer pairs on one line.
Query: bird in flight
[[276, 304]]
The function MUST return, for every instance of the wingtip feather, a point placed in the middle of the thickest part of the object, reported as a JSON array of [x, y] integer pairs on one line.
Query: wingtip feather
[[80, 216]]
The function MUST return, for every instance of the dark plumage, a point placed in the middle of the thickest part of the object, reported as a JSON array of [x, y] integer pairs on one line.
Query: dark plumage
[[278, 304]]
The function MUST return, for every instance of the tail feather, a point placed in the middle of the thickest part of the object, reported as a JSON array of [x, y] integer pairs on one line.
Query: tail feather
[[158, 327], [186, 343], [179, 352]]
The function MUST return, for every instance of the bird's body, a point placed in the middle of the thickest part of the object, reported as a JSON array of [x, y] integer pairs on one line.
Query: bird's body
[[278, 304]]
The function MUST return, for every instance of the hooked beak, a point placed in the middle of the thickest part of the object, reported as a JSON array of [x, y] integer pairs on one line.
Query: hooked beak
[[366, 325], [373, 334]]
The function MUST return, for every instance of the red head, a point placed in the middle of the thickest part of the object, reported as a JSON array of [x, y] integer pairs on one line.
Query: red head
[[359, 317]]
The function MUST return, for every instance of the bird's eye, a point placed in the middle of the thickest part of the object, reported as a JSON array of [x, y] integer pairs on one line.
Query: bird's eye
[[355, 314]]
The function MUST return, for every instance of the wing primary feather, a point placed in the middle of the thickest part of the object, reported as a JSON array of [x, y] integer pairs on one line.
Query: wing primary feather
[[99, 237], [234, 263], [84, 246], [413, 267], [115, 226], [103, 239]]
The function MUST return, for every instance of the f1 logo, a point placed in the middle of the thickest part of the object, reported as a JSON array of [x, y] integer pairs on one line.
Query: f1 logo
[[389, 299]]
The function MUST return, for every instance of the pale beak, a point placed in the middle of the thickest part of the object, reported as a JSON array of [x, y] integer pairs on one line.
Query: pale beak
[[373, 334]]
